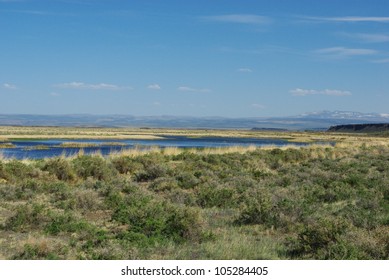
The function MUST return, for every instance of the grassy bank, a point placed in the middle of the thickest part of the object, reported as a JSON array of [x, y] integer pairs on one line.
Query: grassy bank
[[8, 133], [316, 202]]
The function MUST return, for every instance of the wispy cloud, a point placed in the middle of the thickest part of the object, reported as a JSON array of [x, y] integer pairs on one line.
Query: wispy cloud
[[37, 12], [85, 86], [384, 60], [154, 87], [331, 92], [245, 70], [190, 89], [55, 94], [238, 18], [348, 19], [257, 106], [9, 86], [342, 52], [368, 37]]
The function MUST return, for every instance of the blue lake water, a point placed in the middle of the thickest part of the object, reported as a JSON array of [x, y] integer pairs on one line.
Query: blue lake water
[[25, 148]]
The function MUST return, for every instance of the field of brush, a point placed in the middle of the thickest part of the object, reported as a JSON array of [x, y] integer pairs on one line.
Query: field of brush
[[313, 202]]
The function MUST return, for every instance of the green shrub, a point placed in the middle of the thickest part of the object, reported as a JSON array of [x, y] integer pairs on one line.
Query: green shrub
[[152, 221], [64, 222], [318, 239], [184, 223], [93, 166], [38, 251], [3, 174], [258, 208], [25, 190], [187, 180], [163, 184], [61, 168], [214, 195], [16, 170], [27, 216], [182, 197], [125, 164], [151, 172]]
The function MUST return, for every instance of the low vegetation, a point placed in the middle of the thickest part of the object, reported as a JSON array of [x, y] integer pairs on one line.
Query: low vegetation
[[313, 202]]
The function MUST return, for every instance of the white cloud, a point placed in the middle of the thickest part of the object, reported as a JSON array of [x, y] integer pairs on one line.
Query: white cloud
[[9, 86], [369, 38], [190, 89], [55, 94], [154, 87], [331, 92], [257, 106], [101, 86], [238, 18], [342, 52], [245, 70], [350, 19], [384, 60]]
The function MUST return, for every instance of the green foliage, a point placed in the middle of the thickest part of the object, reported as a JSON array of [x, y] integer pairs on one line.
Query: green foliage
[[320, 239], [258, 208], [40, 251], [61, 168], [26, 217], [213, 195], [15, 170], [93, 166], [125, 164], [163, 184], [307, 203], [187, 180], [64, 222], [3, 174], [151, 172]]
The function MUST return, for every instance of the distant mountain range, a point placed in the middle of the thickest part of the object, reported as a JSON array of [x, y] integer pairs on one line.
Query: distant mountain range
[[309, 121]]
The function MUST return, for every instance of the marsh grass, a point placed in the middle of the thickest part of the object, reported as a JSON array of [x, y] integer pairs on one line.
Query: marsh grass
[[7, 146], [37, 147]]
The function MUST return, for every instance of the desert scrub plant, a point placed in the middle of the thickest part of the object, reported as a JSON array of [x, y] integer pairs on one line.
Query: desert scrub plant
[[258, 208], [184, 224], [213, 194], [187, 180], [27, 217], [126, 164], [16, 170], [3, 174], [181, 197], [61, 168], [64, 222], [163, 184], [150, 220], [93, 166], [151, 172], [318, 239], [78, 199], [41, 249], [25, 190]]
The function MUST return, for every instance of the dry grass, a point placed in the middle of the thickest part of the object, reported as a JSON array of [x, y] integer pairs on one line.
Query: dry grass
[[137, 133]]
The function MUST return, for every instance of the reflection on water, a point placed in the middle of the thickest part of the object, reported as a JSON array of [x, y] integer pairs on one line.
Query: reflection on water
[[37, 149]]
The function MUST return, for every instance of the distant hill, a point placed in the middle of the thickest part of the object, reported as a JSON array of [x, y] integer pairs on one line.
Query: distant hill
[[268, 129], [309, 121], [362, 128]]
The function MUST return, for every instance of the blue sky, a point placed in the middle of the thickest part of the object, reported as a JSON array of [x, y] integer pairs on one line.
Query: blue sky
[[247, 58]]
